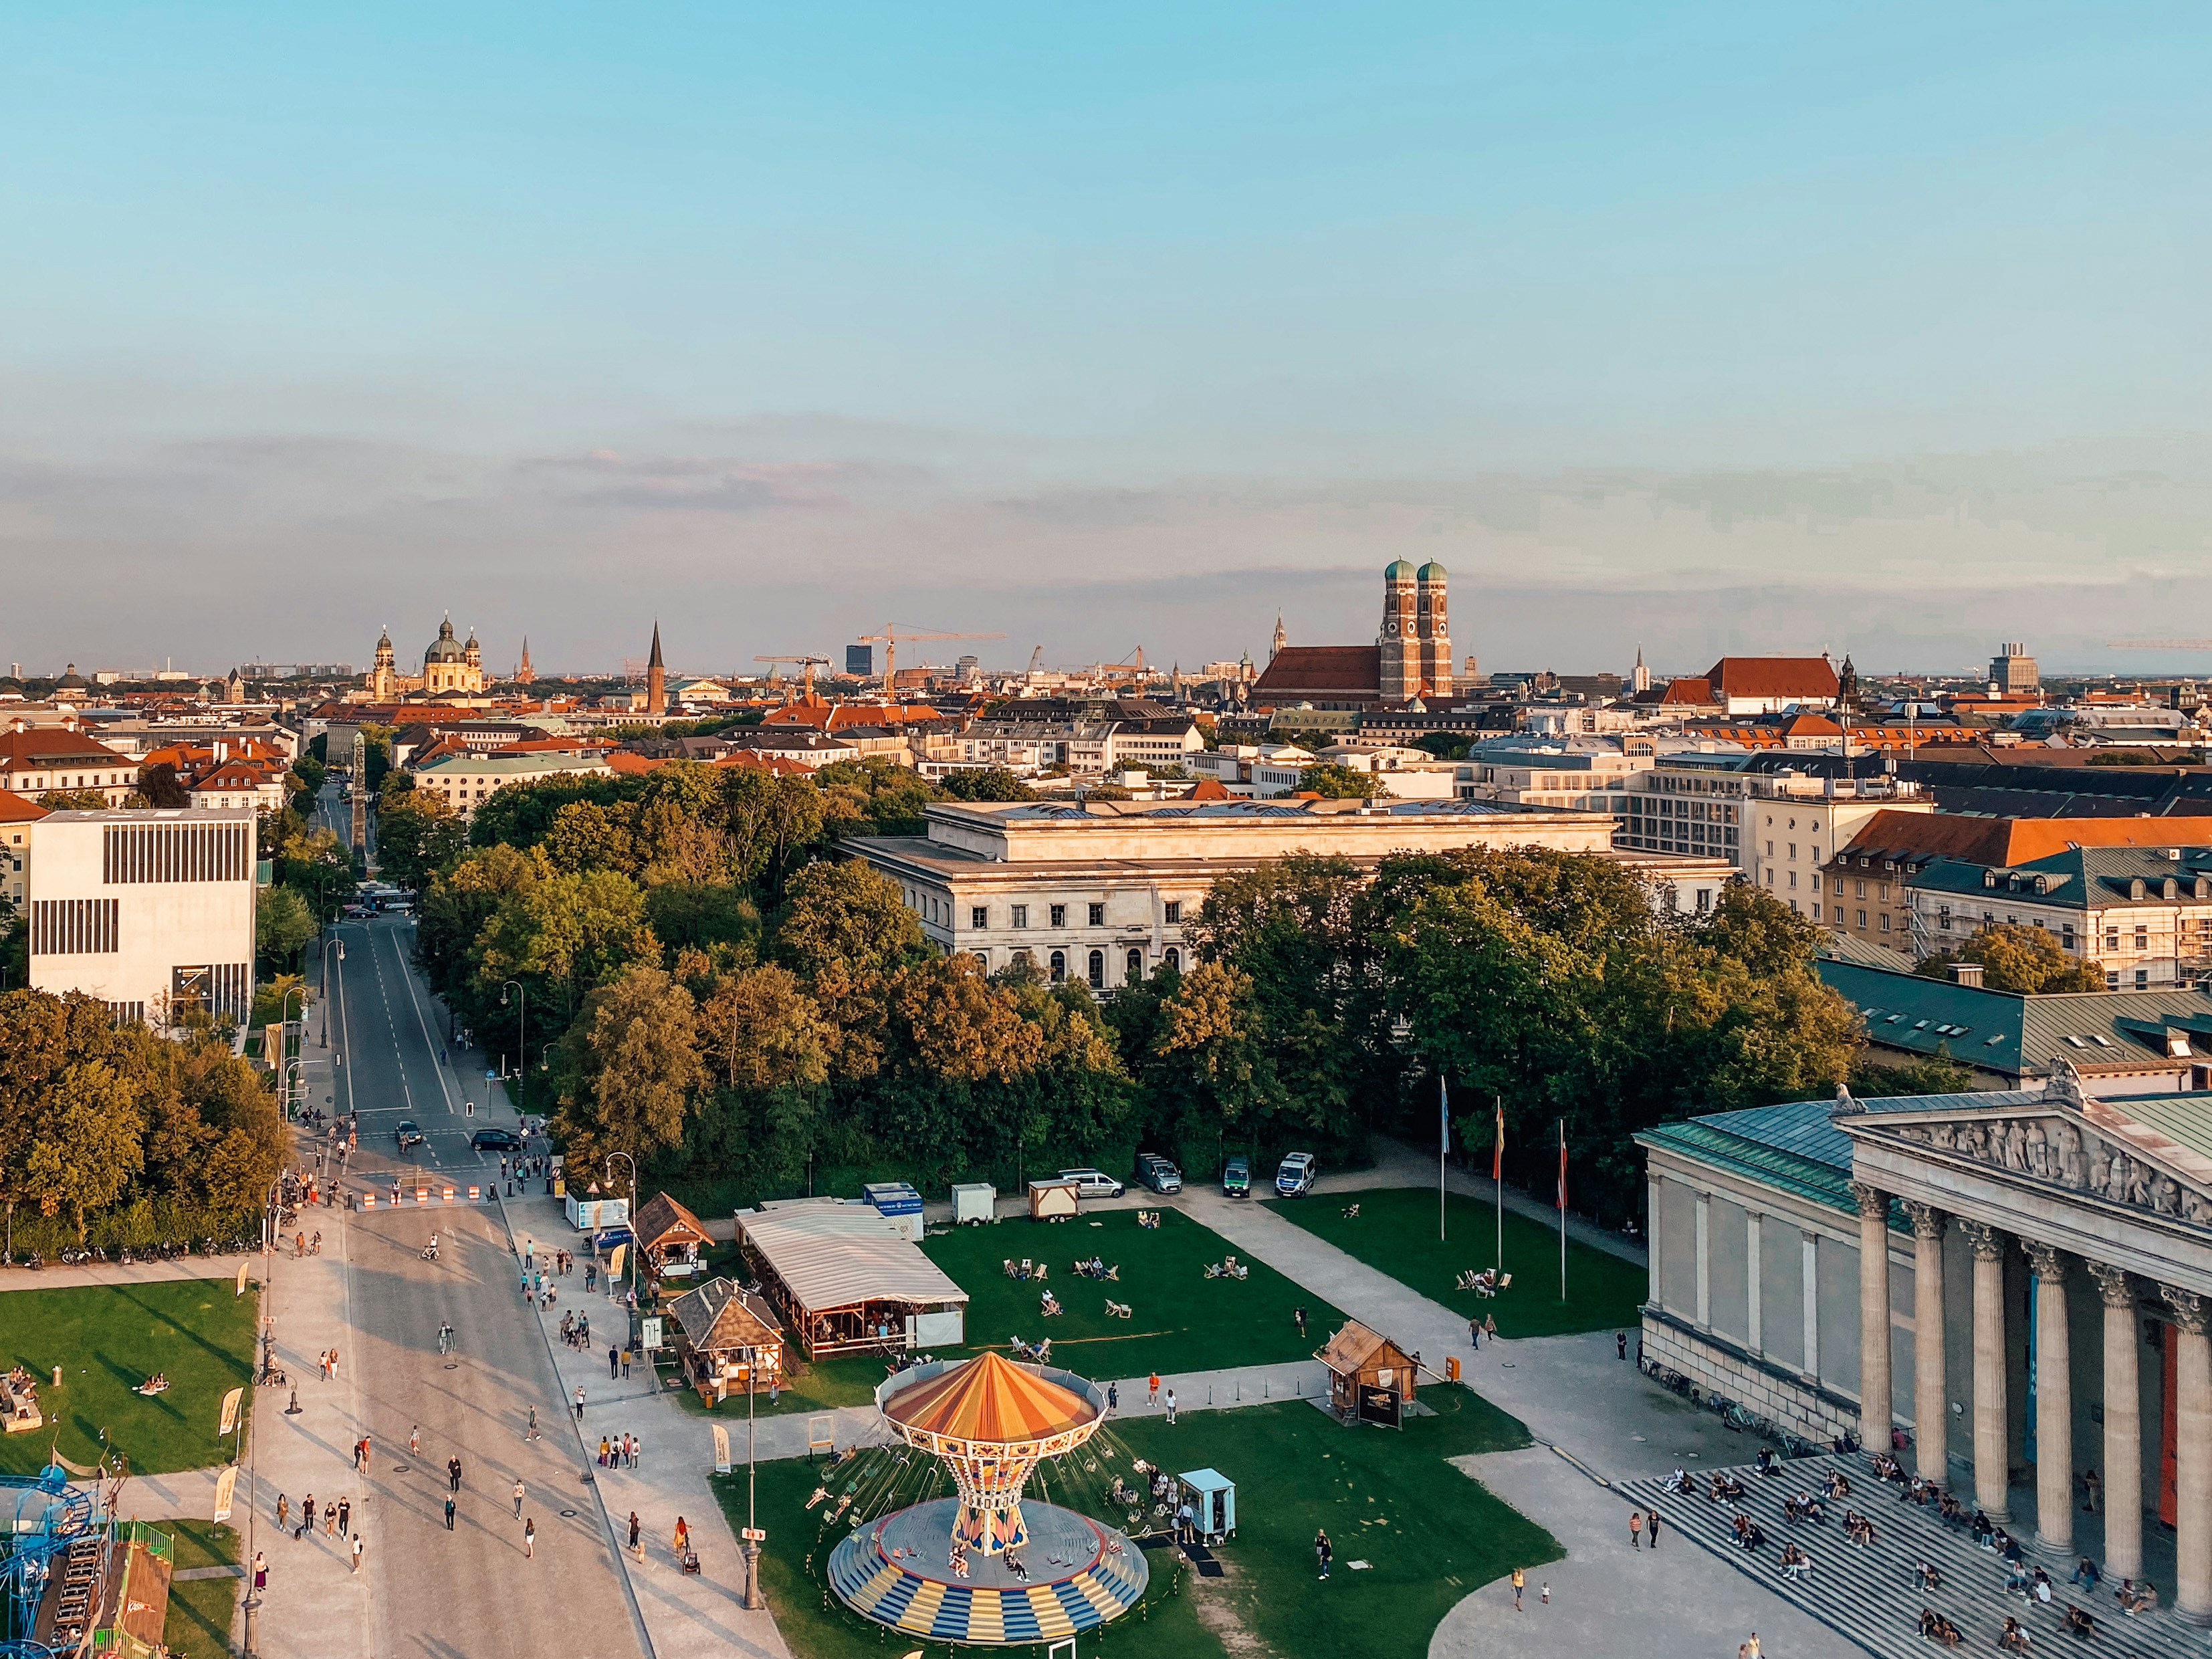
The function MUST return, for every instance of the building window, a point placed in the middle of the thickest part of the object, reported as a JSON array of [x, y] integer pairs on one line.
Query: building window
[[2143, 979], [983, 960], [1059, 966], [1097, 970], [1705, 900], [1861, 917], [1171, 960], [1097, 916], [2066, 934], [1021, 915], [1885, 921], [1060, 915], [1816, 910], [1793, 882], [1793, 849], [1136, 965], [1174, 911], [2142, 938], [979, 916]]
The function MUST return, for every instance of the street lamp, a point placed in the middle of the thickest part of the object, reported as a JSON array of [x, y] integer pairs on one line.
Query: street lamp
[[253, 1456], [291, 1073], [522, 1041]]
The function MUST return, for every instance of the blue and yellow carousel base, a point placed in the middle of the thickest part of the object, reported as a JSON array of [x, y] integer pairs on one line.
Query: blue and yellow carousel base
[[898, 1572]]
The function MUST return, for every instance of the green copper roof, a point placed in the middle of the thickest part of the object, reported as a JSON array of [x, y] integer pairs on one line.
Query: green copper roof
[[1399, 570], [2185, 1120]]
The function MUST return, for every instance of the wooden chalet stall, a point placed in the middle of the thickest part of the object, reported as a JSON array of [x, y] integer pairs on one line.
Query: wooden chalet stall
[[1370, 1378], [670, 1237], [727, 1340], [848, 1280]]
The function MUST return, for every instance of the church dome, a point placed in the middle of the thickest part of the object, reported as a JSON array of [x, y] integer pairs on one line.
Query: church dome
[[444, 647], [1399, 570], [1431, 572]]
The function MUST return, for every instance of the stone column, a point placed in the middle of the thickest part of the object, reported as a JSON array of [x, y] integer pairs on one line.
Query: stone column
[[1754, 1329], [2192, 1434], [1809, 1259], [2054, 1403], [1875, 1411], [1992, 1424], [2123, 1504], [1705, 1262], [1655, 1244], [1931, 1433]]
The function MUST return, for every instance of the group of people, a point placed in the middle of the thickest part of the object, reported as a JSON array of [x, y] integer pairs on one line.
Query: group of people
[[576, 1331], [1096, 1268], [1025, 1269], [157, 1383], [620, 1451], [337, 1517]]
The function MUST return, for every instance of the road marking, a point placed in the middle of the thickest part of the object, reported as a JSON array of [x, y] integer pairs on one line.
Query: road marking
[[444, 1087]]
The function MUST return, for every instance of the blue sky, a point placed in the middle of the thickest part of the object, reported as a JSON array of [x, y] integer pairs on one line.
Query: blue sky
[[787, 315]]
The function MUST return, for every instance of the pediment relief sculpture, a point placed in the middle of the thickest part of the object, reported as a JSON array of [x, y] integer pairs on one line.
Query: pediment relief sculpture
[[2069, 1154]]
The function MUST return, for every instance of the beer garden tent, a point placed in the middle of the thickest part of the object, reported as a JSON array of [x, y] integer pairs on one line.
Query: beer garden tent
[[847, 1280], [729, 1340], [669, 1235]]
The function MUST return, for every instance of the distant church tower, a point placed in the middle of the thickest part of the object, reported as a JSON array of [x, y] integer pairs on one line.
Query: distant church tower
[[656, 679], [522, 671], [472, 656], [1433, 632], [1281, 639], [384, 679], [1639, 678], [1402, 670]]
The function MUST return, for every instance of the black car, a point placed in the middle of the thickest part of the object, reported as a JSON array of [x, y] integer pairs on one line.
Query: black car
[[410, 1132], [496, 1140]]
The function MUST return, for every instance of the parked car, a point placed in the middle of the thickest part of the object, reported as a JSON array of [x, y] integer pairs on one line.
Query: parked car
[[1296, 1178], [1158, 1173], [496, 1140], [410, 1132], [1093, 1183], [1237, 1178]]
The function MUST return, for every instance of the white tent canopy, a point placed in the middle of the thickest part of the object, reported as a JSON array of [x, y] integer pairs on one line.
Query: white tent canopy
[[827, 1255]]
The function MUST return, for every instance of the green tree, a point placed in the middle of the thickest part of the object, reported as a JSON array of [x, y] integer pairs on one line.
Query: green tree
[[1929, 1074], [562, 935], [418, 834], [158, 783], [986, 783], [2025, 960], [85, 1150], [873, 795], [843, 919], [1334, 782], [74, 800], [628, 1068], [282, 925]]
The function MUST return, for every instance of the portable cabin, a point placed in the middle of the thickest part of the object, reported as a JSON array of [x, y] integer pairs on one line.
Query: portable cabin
[[1211, 1496], [1370, 1378], [899, 1202], [1053, 1200], [974, 1201]]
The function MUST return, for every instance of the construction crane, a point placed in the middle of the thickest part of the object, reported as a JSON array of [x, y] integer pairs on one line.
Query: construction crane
[[2158, 645], [890, 637], [1132, 670], [806, 670]]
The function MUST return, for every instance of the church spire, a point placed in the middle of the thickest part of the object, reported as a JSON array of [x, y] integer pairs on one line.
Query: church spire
[[654, 661], [656, 678]]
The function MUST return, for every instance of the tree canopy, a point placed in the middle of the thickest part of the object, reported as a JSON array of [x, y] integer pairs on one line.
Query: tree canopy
[[2019, 958]]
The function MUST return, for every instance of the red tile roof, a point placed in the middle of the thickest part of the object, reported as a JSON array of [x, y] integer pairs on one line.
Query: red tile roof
[[2010, 841], [1697, 692], [1309, 671], [20, 809], [1774, 676]]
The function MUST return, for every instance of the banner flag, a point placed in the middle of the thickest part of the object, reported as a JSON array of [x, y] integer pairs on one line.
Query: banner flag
[[226, 1488], [230, 1412]]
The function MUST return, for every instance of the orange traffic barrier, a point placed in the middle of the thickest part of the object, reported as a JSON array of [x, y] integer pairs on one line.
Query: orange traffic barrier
[[473, 1194], [368, 1200], [449, 1195], [421, 1195]]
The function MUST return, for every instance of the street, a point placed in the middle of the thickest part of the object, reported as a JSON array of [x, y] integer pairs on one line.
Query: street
[[472, 1590]]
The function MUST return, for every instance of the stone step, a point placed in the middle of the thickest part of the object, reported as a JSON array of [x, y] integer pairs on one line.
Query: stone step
[[1872, 1596]]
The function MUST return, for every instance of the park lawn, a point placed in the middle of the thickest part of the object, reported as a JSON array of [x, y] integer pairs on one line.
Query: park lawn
[[1429, 1534], [1396, 1233], [815, 1625], [826, 1386], [1182, 1320], [202, 1609], [108, 1339]]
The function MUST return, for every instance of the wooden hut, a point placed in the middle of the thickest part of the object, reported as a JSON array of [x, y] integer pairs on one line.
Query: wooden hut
[[726, 1340], [671, 1236], [1370, 1378]]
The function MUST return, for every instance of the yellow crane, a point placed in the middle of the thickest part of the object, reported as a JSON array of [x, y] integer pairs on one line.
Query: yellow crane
[[890, 637], [806, 670]]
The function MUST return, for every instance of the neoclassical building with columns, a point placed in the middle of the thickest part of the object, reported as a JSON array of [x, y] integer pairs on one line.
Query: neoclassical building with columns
[[2021, 1281]]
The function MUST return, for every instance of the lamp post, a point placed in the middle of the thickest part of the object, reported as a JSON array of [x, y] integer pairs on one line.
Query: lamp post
[[292, 1085], [253, 1467], [284, 1001], [522, 1041]]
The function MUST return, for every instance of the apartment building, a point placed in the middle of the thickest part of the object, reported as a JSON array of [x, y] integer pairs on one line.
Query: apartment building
[[2142, 914], [465, 782], [150, 912], [37, 759], [1576, 779], [17, 815]]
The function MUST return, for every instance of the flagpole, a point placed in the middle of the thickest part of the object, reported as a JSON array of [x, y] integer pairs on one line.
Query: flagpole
[[1498, 1177], [1563, 1209], [1444, 1144]]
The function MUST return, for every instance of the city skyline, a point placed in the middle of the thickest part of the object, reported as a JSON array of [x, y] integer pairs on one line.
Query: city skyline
[[1696, 330]]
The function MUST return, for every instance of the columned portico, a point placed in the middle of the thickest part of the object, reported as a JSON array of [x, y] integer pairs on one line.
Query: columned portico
[[2192, 1473], [2123, 1424], [1931, 1429], [2054, 1401], [1874, 1409], [1992, 1424]]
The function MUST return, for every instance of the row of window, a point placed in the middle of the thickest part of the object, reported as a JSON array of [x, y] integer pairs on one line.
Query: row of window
[[141, 852], [76, 927], [1094, 965]]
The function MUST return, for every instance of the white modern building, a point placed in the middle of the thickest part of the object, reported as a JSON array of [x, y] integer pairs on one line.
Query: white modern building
[[150, 912], [466, 781]]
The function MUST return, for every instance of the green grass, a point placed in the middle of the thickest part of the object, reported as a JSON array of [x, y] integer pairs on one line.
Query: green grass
[[814, 1624], [1182, 1320], [107, 1339], [827, 1385], [1429, 1534], [1396, 1233], [200, 1611]]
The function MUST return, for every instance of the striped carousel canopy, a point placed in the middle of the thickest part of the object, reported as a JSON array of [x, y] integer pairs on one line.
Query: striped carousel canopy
[[989, 1399]]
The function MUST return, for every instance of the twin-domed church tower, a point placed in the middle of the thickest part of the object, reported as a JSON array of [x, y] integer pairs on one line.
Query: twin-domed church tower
[[1416, 636]]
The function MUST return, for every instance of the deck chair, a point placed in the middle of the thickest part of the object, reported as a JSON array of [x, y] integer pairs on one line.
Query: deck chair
[[1504, 1281]]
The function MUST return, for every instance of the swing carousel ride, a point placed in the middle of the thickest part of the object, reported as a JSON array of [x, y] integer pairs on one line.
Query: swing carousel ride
[[980, 1564]]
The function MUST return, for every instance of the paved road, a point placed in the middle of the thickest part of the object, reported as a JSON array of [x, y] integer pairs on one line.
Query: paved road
[[470, 1591]]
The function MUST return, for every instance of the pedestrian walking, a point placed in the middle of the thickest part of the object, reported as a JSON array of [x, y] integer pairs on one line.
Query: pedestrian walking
[[1620, 1343], [1172, 1409], [345, 1515], [1520, 1580], [1113, 1396], [637, 1451], [449, 1511], [261, 1571], [1544, 1594], [1474, 1333], [532, 1433], [307, 1515], [1635, 1529], [415, 1441], [530, 1538], [1651, 1528], [614, 1362], [1298, 1313], [453, 1472], [580, 1405], [331, 1522], [334, 1365], [518, 1497], [1152, 1390], [359, 1543], [2093, 1487], [636, 1533], [625, 1362], [284, 1511], [1323, 1550]]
